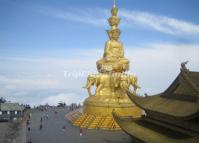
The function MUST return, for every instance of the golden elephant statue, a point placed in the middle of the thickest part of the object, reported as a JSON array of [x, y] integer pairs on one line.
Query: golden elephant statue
[[133, 80], [127, 80], [93, 80]]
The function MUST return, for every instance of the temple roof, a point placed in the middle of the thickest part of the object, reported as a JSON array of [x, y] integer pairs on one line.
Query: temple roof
[[185, 87], [180, 100], [152, 133], [11, 107]]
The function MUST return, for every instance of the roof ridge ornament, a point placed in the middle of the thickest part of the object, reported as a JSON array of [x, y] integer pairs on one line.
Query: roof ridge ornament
[[183, 66]]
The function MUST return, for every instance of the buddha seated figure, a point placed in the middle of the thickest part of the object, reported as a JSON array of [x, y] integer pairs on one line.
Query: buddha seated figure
[[113, 59]]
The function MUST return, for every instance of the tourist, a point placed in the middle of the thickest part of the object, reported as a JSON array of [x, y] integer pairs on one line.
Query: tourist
[[30, 116], [27, 122], [47, 116], [29, 138], [28, 129], [40, 127], [64, 128], [80, 132]]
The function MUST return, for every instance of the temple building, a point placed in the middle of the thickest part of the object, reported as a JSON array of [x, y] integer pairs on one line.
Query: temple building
[[11, 111], [171, 116], [111, 84]]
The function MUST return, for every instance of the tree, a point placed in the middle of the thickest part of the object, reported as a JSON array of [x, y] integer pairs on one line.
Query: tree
[[2, 100], [61, 104]]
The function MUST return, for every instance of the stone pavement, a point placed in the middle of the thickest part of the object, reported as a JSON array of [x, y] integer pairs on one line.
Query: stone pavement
[[52, 131], [12, 132]]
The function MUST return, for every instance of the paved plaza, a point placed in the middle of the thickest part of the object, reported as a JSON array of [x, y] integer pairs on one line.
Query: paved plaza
[[52, 130]]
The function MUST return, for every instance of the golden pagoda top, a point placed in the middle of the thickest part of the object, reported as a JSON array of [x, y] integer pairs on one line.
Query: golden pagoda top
[[113, 59], [114, 21]]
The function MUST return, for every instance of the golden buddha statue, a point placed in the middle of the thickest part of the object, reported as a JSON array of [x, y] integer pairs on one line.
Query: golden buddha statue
[[111, 84], [113, 59]]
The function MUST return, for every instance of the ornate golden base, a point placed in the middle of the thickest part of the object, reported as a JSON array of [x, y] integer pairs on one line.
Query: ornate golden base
[[96, 122], [100, 117]]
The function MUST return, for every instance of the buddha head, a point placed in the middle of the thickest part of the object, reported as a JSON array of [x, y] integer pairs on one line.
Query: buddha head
[[114, 34]]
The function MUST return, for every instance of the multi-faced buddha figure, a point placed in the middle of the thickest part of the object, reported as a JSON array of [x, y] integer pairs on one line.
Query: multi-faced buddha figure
[[113, 59]]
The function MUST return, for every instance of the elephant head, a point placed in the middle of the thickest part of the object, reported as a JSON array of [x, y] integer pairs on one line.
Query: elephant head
[[134, 82], [127, 80], [91, 81]]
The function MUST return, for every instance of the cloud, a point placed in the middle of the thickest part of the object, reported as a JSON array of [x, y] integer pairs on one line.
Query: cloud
[[130, 18], [89, 16], [68, 98], [157, 65], [42, 80], [28, 84], [160, 23]]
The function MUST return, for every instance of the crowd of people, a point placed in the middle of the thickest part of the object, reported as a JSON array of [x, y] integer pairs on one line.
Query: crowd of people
[[44, 118], [28, 121]]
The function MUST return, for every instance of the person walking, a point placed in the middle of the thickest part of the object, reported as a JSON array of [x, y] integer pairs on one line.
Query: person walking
[[64, 128], [29, 136], [30, 115], [28, 122], [46, 116], [28, 129], [41, 126], [80, 132]]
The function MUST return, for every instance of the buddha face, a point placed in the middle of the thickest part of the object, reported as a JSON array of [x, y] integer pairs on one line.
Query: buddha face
[[114, 35]]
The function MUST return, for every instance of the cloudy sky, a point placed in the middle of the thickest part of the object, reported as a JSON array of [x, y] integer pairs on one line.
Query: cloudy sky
[[47, 48]]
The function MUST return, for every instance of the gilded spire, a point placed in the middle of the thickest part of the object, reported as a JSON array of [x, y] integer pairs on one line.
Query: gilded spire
[[114, 21], [114, 3], [113, 58]]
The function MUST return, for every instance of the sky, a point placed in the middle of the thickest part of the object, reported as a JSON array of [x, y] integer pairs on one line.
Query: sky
[[48, 47]]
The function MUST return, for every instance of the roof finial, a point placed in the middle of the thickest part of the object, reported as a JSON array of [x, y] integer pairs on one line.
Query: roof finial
[[183, 66]]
